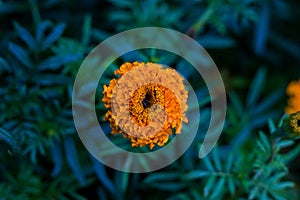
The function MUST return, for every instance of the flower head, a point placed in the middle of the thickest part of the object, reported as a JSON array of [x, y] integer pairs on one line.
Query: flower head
[[293, 90], [145, 103], [292, 124]]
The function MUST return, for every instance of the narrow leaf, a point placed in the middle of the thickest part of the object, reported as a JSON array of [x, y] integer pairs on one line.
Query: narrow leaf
[[215, 42], [262, 30], [124, 181], [272, 126], [261, 146], [231, 185], [216, 159], [4, 66], [195, 195], [291, 155], [264, 140], [277, 196], [122, 3], [264, 195], [256, 87], [209, 185], [184, 69], [25, 35], [51, 79], [170, 186], [53, 36], [161, 177], [277, 177], [56, 153], [236, 103], [71, 154], [20, 54], [86, 30], [196, 174], [41, 29], [253, 193], [99, 35], [229, 163], [284, 185], [55, 62], [102, 176], [208, 164], [267, 102], [218, 188], [285, 143], [8, 138]]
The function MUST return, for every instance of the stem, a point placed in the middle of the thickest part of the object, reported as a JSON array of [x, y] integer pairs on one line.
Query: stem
[[198, 25], [35, 12]]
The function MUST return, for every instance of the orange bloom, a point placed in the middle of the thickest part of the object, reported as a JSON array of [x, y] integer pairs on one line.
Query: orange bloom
[[145, 103], [293, 90]]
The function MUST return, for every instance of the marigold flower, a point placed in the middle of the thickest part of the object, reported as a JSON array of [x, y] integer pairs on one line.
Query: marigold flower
[[145, 103], [292, 124], [293, 90]]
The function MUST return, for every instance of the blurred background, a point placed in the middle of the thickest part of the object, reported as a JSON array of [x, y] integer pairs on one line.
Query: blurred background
[[255, 44]]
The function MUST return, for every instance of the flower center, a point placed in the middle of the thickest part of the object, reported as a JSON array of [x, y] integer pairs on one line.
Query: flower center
[[142, 100], [147, 101]]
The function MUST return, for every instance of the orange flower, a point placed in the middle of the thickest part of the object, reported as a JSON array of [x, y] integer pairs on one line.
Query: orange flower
[[154, 98], [293, 90]]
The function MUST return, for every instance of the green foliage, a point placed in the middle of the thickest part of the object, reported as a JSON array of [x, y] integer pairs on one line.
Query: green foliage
[[27, 185], [5, 136], [261, 174], [243, 119], [42, 46]]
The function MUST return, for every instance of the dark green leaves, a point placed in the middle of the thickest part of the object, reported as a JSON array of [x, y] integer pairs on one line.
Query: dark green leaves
[[20, 54], [55, 62], [8, 138], [4, 66], [270, 186], [72, 158], [53, 36], [196, 174], [41, 29], [86, 30], [166, 181], [215, 42], [39, 43], [256, 111], [256, 87], [25, 36], [51, 79], [102, 176], [57, 158], [262, 29]]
